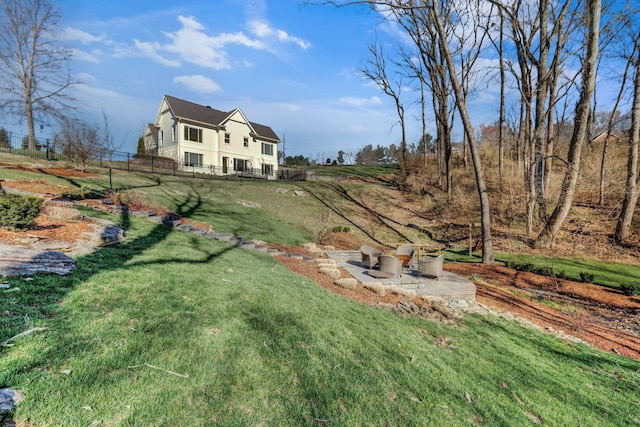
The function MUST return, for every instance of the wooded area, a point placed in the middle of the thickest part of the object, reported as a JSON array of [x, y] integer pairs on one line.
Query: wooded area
[[549, 58]]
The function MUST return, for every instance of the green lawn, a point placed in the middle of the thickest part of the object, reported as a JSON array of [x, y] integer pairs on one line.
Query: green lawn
[[230, 337], [610, 274]]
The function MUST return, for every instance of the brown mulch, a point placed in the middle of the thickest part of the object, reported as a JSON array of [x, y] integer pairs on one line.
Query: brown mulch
[[61, 172], [47, 228]]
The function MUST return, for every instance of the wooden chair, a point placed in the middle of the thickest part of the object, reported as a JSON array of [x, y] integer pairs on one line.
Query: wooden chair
[[369, 256], [390, 265]]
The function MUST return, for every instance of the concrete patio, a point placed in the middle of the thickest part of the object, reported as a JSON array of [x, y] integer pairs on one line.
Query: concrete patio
[[449, 287]]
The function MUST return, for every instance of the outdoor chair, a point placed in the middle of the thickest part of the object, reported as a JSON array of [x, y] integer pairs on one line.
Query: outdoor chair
[[369, 256], [431, 266], [390, 266], [405, 253]]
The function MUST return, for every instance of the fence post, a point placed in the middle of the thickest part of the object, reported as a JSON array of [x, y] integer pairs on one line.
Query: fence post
[[152, 163], [128, 154]]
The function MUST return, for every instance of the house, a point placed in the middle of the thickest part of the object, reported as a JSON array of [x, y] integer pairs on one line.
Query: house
[[602, 136], [206, 140]]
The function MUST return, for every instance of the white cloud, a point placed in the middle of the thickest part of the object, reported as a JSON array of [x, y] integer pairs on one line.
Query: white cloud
[[198, 83], [82, 55], [265, 31], [191, 44], [361, 102], [72, 34], [151, 50]]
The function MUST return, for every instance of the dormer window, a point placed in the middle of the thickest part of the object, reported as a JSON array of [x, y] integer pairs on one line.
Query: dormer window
[[246, 141]]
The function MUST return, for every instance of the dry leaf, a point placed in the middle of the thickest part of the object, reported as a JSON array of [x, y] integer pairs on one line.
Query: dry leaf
[[65, 371], [469, 397]]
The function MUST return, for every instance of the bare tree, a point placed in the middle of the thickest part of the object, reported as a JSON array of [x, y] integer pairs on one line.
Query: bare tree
[[548, 234], [632, 192], [485, 211], [79, 141], [376, 70], [35, 64]]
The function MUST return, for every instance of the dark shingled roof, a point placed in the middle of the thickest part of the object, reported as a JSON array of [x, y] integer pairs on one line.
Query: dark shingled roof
[[191, 111]]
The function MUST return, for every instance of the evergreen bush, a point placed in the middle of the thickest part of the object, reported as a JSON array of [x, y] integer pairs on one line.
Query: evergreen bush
[[19, 213]]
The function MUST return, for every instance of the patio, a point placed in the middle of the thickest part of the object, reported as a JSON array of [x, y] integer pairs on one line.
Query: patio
[[449, 287]]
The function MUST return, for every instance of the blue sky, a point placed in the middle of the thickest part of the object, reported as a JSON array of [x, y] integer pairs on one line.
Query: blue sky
[[290, 66]]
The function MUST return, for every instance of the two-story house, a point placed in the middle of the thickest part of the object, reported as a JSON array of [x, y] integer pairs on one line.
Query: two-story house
[[206, 140]]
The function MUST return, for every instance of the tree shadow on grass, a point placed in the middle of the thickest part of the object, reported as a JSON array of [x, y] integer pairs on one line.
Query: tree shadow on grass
[[381, 219]]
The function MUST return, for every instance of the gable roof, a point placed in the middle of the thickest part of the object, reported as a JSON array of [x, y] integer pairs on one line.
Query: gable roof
[[191, 111]]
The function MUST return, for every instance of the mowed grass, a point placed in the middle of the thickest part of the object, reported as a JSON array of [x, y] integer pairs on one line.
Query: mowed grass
[[169, 328]]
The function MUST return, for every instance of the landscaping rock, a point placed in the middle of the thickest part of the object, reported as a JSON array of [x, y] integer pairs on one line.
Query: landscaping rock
[[248, 204], [17, 261]]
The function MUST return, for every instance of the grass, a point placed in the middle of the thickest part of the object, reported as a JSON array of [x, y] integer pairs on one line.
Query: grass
[[610, 274], [363, 171], [259, 348]]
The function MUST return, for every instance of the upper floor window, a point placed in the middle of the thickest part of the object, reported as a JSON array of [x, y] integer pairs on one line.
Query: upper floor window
[[161, 138], [267, 149], [174, 133], [246, 141], [192, 134], [227, 138]]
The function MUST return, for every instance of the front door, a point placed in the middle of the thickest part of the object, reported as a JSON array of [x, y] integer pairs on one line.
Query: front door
[[225, 161]]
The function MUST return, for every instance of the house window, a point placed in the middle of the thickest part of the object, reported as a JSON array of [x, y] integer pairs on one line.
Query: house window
[[267, 170], [174, 133], [239, 165], [192, 159], [246, 141], [227, 138], [161, 138], [192, 134], [267, 149]]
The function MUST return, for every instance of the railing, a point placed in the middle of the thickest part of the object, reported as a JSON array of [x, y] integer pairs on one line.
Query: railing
[[17, 144]]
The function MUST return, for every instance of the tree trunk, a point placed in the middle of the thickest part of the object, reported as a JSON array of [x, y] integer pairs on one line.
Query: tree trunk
[[550, 231], [502, 94], [485, 213], [631, 193], [605, 144], [541, 109]]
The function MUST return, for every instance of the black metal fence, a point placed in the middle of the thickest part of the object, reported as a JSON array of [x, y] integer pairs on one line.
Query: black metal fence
[[45, 149]]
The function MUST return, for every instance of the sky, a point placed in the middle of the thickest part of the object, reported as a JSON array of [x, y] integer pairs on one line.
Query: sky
[[287, 65]]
